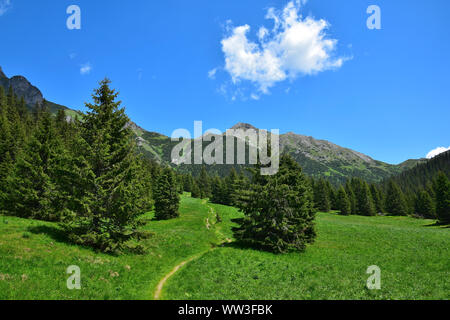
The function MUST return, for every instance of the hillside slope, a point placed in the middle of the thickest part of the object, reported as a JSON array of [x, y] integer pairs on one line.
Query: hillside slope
[[318, 158], [419, 176]]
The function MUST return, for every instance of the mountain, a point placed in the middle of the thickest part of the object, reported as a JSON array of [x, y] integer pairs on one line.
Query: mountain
[[418, 177], [23, 88], [319, 158]]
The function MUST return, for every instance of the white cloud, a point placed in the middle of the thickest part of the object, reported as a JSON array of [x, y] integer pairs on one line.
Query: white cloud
[[85, 68], [433, 153], [254, 96], [5, 5], [72, 55], [212, 73], [294, 47]]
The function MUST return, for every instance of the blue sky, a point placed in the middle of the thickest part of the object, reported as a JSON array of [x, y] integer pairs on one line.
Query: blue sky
[[381, 92]]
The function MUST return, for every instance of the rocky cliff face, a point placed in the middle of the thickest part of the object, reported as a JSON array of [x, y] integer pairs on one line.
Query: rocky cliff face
[[22, 88]]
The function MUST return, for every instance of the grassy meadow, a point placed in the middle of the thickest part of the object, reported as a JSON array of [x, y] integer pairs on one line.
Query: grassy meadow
[[413, 256]]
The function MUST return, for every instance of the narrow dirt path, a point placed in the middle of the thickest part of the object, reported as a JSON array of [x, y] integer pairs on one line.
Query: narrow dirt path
[[163, 281], [171, 273]]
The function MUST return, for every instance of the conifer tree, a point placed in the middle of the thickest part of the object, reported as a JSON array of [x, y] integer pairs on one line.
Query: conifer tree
[[332, 195], [32, 185], [117, 193], [366, 206], [395, 200], [232, 187], [166, 196], [424, 205], [279, 214], [75, 185], [218, 191], [196, 192], [351, 197], [442, 191], [377, 198], [6, 148], [344, 205], [321, 196], [16, 127], [187, 182], [204, 183]]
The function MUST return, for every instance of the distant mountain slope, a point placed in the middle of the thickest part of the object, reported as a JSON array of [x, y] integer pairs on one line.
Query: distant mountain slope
[[417, 177], [319, 158]]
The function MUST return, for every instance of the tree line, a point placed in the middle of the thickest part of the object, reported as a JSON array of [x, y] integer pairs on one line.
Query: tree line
[[356, 196]]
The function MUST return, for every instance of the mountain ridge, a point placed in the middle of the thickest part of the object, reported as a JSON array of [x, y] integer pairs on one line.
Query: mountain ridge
[[318, 158]]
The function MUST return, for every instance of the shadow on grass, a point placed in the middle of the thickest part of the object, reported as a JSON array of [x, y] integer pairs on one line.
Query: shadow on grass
[[242, 245], [58, 235], [443, 225], [53, 232]]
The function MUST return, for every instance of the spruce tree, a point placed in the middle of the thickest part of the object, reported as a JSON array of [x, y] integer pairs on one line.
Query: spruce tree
[[117, 193], [187, 182], [6, 148], [366, 206], [232, 187], [204, 183], [166, 196], [442, 191], [332, 195], [32, 185], [377, 198], [351, 197], [424, 205], [16, 127], [218, 191], [75, 185], [343, 203], [395, 200], [196, 192], [279, 214], [321, 196]]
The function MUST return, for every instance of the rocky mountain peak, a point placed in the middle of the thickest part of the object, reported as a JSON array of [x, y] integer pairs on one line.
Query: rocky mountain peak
[[2, 75], [22, 88], [244, 126]]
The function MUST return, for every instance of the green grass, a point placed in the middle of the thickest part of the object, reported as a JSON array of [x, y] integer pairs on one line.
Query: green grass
[[413, 258], [33, 261]]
